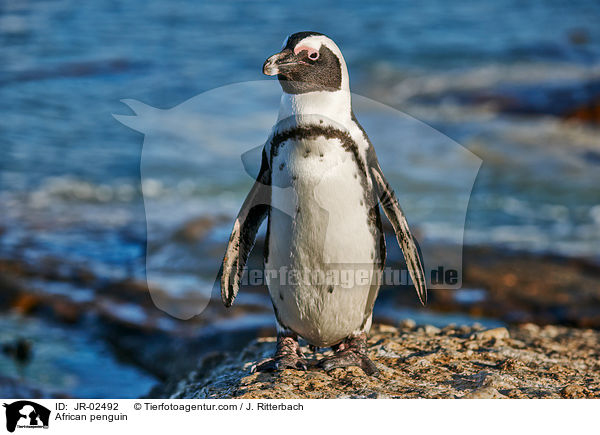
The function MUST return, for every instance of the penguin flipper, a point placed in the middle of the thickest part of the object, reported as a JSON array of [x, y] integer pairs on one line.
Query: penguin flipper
[[253, 212], [393, 211]]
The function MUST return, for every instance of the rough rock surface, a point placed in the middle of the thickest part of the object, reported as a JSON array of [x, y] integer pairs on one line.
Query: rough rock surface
[[527, 361]]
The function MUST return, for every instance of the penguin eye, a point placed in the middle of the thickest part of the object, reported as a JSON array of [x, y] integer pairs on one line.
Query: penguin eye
[[313, 54]]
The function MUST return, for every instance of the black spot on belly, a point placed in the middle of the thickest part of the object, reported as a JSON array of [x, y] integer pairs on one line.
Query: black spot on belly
[[280, 296], [281, 166], [320, 121], [321, 155], [330, 289], [362, 202], [306, 153]]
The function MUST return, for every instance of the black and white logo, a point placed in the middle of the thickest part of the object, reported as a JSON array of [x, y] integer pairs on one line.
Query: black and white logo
[[25, 414]]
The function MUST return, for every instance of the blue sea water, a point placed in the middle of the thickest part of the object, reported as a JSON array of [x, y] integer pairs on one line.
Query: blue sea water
[[67, 65], [69, 361]]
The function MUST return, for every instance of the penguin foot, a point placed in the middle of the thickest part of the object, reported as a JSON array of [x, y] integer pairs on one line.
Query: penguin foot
[[351, 352], [287, 356]]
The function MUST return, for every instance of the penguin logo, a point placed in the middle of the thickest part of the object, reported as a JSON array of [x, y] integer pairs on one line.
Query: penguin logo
[[26, 414], [191, 152]]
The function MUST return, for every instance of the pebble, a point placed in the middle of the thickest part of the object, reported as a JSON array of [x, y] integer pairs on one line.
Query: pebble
[[494, 380], [422, 362], [431, 330], [530, 328], [408, 324], [484, 393], [551, 331], [491, 334], [386, 329], [574, 391]]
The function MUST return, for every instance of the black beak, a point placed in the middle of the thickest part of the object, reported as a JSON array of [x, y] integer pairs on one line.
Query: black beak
[[280, 63]]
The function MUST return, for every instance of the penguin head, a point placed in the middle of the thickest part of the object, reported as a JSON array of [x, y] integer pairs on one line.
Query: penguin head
[[308, 62]]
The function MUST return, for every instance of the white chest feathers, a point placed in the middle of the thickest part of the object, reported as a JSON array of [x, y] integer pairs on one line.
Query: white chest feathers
[[320, 225]]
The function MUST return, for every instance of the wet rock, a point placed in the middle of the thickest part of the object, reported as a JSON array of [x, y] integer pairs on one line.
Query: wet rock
[[10, 289], [26, 303], [127, 290], [66, 311], [522, 288], [587, 112], [578, 36], [19, 350], [572, 99], [414, 364]]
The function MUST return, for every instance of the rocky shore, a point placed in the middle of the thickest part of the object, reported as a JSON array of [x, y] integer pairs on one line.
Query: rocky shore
[[526, 361], [118, 315]]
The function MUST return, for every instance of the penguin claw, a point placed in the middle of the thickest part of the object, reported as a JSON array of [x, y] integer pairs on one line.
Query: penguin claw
[[279, 363], [349, 358], [287, 356], [351, 352]]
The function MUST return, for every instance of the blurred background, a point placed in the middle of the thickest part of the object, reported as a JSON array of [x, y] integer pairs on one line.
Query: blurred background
[[517, 84]]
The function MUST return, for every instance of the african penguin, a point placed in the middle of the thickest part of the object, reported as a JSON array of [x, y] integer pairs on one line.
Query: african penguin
[[319, 187]]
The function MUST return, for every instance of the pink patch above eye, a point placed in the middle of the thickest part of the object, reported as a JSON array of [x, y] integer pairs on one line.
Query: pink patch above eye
[[312, 53]]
